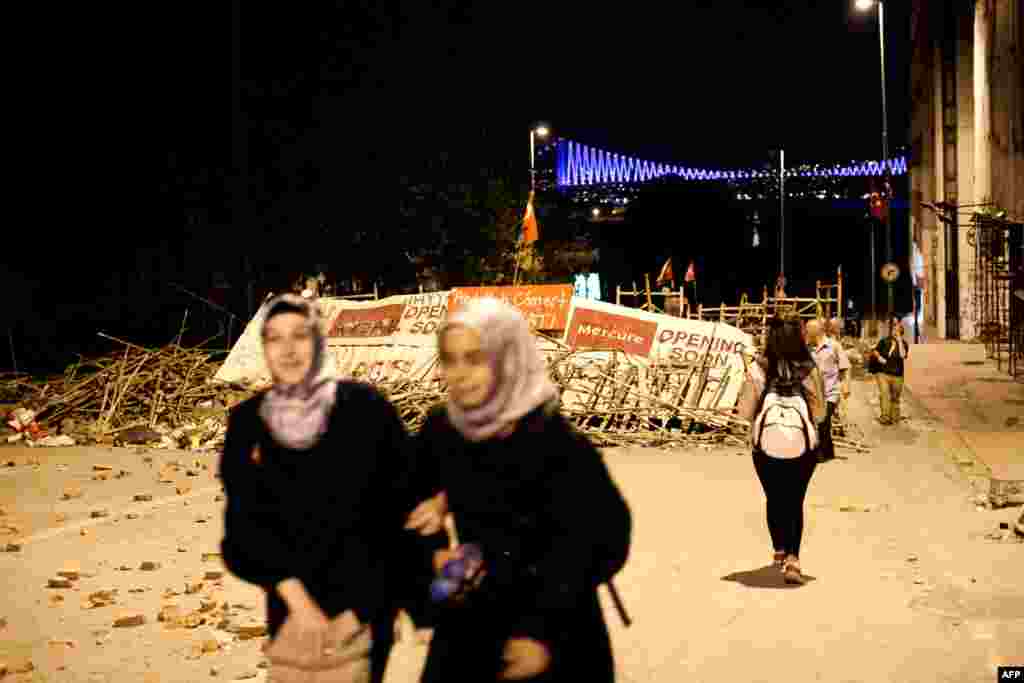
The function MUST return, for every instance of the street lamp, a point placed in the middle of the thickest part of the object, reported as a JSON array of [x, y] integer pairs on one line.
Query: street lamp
[[864, 6], [537, 132]]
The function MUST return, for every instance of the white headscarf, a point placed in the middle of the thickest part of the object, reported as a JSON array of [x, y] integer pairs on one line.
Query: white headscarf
[[297, 415], [521, 382]]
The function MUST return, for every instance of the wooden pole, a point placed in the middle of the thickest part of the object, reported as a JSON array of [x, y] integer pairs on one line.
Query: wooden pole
[[10, 339], [840, 307], [681, 300], [647, 289], [618, 295]]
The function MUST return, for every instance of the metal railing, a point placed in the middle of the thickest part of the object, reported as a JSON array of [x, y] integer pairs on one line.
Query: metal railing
[[998, 276]]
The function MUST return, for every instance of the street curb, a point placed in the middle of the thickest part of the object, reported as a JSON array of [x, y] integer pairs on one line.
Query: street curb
[[1001, 492]]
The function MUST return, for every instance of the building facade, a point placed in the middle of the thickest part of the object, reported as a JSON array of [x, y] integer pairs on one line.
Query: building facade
[[967, 136]]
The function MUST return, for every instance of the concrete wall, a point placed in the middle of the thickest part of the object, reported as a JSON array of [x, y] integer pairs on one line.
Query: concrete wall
[[1005, 70], [987, 137]]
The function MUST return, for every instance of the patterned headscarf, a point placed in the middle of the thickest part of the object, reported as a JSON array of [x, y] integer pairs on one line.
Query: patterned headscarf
[[521, 382], [297, 415]]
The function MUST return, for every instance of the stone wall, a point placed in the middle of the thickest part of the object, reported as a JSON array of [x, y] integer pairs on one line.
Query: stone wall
[[969, 151]]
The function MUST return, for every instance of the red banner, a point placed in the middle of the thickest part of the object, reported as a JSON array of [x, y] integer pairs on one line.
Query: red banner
[[545, 306], [591, 329], [376, 321]]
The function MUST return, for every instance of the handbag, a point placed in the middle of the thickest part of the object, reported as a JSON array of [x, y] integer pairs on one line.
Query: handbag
[[346, 656]]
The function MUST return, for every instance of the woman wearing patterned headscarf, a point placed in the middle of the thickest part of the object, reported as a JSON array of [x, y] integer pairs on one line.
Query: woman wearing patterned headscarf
[[312, 471], [537, 500]]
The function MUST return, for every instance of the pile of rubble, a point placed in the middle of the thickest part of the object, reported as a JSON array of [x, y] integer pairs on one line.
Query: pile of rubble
[[167, 398], [163, 398], [196, 605], [618, 401]]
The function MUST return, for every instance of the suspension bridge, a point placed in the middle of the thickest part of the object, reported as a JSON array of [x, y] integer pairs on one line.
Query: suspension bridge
[[587, 173]]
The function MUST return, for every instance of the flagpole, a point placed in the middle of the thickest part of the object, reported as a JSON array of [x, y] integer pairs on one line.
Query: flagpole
[[533, 187], [515, 271]]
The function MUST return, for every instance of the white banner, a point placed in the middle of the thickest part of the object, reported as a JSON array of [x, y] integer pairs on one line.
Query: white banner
[[657, 344], [396, 338]]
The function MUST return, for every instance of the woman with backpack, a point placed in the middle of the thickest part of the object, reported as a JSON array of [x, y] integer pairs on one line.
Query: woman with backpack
[[313, 472], [783, 398], [535, 501]]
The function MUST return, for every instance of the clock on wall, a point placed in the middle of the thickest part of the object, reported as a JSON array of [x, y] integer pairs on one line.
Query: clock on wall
[[890, 272]]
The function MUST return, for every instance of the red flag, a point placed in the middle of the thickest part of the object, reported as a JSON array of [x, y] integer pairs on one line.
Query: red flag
[[666, 274], [531, 230], [691, 274], [879, 202]]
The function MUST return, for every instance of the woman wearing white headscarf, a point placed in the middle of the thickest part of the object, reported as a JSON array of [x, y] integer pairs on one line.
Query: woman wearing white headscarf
[[313, 470], [537, 499]]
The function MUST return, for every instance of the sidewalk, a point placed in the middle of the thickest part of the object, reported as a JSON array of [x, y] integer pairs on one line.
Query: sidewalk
[[962, 389]]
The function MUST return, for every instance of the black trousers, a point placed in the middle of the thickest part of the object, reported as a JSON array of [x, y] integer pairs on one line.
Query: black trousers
[[785, 484], [826, 449]]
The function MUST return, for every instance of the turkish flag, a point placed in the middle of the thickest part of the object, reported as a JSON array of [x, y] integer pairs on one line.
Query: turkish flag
[[531, 230], [666, 274]]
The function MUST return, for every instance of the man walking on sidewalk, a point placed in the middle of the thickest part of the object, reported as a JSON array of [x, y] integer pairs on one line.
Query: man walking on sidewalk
[[889, 357], [834, 366]]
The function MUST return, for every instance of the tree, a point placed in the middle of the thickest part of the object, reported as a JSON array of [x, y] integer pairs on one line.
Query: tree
[[467, 227]]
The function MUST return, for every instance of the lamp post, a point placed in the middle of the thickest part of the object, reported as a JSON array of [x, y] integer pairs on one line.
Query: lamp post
[[782, 212], [537, 132], [864, 6]]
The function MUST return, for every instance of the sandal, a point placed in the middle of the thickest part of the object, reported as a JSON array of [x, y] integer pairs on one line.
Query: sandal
[[792, 574], [779, 560]]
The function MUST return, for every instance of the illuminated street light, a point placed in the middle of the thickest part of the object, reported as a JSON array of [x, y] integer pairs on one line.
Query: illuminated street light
[[539, 131], [596, 212], [865, 5]]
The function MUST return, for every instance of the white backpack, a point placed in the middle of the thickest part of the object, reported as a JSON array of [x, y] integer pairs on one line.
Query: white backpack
[[783, 428]]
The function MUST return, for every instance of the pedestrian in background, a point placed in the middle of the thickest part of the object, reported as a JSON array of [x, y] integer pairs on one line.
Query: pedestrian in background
[[782, 398], [534, 495], [835, 335], [834, 366], [888, 364], [313, 472]]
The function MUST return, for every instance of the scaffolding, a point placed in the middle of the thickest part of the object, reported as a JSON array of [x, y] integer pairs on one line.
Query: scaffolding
[[751, 317], [998, 280]]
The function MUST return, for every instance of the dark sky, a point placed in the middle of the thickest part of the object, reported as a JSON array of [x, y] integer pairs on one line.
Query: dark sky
[[709, 82], [342, 99], [717, 83]]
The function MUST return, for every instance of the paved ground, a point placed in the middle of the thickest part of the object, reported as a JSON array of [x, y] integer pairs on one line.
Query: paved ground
[[971, 396], [906, 585]]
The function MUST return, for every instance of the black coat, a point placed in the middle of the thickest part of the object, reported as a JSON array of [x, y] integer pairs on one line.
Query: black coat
[[553, 526], [331, 516]]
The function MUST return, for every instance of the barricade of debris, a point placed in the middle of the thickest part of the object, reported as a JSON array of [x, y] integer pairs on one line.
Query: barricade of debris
[[162, 398], [167, 398], [617, 401]]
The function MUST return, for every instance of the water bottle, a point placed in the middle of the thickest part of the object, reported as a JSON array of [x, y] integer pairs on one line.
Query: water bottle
[[442, 589], [454, 571]]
